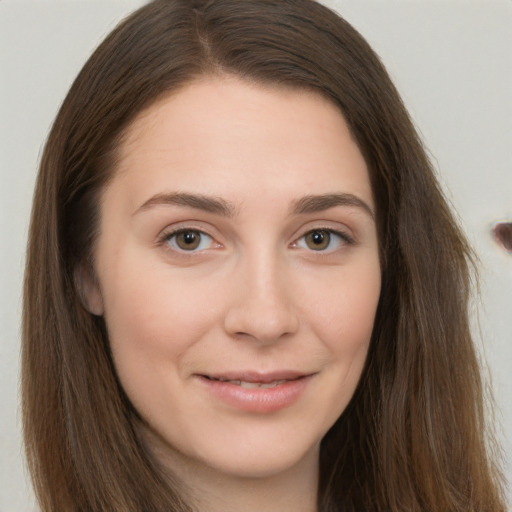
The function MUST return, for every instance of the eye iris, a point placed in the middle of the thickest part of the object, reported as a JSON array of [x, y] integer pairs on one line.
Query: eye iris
[[188, 240], [318, 240]]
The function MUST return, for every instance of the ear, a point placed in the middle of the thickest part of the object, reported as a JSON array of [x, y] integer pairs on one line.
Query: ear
[[88, 289]]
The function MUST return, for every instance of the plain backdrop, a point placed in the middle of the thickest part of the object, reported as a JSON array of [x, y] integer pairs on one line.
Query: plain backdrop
[[452, 62]]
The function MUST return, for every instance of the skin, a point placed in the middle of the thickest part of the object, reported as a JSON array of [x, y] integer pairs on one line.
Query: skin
[[255, 295]]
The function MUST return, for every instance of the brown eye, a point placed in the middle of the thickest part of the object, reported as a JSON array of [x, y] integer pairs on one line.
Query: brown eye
[[189, 240], [318, 240]]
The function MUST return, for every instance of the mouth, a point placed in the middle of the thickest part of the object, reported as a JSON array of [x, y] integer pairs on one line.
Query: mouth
[[254, 379], [251, 384], [257, 392]]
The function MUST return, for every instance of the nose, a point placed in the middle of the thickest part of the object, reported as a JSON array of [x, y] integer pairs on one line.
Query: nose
[[263, 306]]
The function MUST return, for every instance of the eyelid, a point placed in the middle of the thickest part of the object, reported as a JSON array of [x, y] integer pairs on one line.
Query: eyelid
[[172, 231], [201, 238], [343, 235]]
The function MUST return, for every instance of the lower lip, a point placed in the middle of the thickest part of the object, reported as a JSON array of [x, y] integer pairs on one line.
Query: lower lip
[[257, 400]]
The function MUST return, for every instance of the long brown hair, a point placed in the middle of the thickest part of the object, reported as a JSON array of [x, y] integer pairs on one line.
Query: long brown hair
[[413, 436]]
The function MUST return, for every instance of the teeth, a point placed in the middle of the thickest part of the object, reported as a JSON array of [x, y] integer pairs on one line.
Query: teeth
[[254, 385], [247, 385]]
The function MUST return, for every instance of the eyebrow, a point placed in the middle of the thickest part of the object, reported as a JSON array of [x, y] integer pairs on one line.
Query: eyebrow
[[319, 203], [199, 202], [219, 206]]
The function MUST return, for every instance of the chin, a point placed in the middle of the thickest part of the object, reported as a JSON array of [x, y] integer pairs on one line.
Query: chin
[[247, 454], [265, 464]]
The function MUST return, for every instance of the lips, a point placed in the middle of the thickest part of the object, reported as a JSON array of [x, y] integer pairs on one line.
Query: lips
[[252, 377], [257, 392], [251, 385]]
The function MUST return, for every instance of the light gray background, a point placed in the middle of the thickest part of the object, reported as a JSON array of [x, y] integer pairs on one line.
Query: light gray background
[[452, 62]]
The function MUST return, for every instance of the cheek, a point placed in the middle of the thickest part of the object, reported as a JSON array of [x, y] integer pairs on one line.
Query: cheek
[[344, 314], [343, 318], [152, 321]]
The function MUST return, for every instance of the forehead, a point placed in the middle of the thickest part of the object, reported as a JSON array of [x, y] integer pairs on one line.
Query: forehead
[[222, 131]]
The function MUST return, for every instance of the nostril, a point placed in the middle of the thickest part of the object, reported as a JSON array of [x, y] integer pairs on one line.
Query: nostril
[[502, 232]]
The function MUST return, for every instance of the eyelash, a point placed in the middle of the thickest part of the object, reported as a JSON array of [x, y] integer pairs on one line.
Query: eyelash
[[168, 236], [344, 239]]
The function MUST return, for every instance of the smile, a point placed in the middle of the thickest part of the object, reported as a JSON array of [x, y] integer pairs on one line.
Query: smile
[[252, 385], [255, 392]]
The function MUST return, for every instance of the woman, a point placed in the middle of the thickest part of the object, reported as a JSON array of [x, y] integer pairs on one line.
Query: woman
[[232, 296]]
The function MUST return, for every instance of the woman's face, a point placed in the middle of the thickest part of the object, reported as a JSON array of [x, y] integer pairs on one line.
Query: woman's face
[[238, 274]]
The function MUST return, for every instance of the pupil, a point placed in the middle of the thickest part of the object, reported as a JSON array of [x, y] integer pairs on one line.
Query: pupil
[[318, 237], [189, 237], [188, 240], [318, 240]]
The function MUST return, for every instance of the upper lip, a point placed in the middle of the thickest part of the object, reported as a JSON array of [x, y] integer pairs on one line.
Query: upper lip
[[257, 377]]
